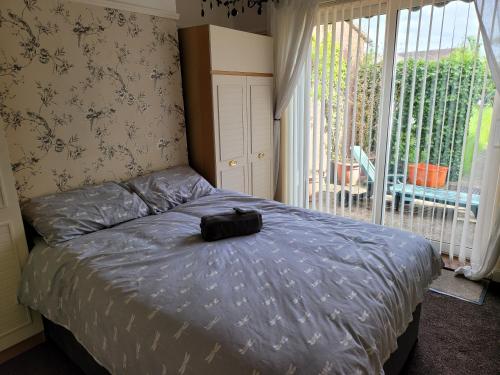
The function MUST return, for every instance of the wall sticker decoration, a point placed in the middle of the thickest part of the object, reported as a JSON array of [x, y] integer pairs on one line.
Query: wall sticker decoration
[[87, 94]]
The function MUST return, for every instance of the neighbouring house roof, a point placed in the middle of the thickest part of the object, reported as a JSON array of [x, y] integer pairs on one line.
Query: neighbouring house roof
[[432, 55]]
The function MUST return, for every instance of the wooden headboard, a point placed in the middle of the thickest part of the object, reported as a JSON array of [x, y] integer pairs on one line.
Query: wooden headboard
[[87, 94]]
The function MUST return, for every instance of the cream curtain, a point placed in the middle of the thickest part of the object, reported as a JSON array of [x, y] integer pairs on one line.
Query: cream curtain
[[291, 25], [486, 247], [488, 12]]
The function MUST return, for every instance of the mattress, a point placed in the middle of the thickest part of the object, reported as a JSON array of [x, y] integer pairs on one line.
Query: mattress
[[311, 293]]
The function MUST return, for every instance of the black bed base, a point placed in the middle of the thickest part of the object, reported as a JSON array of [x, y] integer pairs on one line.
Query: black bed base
[[65, 340], [406, 344]]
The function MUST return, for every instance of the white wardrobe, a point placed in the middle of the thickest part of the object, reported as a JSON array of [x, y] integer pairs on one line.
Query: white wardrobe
[[228, 99], [20, 328]]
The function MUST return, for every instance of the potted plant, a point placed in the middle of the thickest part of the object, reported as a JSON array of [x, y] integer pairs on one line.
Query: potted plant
[[352, 172], [429, 175]]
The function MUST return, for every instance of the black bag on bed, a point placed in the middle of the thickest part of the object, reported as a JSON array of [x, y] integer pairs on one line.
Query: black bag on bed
[[239, 223]]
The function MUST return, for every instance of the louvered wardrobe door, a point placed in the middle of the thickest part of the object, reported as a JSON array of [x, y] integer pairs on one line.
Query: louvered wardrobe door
[[230, 121], [16, 321], [260, 120]]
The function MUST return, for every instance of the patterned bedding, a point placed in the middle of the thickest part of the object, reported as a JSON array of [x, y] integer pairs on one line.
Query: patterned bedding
[[310, 294]]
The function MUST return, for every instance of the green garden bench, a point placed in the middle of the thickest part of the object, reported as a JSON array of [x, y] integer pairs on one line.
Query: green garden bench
[[448, 197], [396, 186]]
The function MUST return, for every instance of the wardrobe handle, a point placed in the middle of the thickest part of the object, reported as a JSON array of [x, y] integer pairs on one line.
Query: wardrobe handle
[[260, 155], [233, 163]]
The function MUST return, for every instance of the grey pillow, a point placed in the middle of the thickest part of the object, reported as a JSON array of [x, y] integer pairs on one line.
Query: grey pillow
[[169, 188], [62, 216]]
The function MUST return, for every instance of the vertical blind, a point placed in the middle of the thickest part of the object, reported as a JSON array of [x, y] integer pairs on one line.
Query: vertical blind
[[397, 96]]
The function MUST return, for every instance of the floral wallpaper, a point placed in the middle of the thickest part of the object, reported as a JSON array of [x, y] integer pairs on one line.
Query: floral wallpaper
[[87, 94]]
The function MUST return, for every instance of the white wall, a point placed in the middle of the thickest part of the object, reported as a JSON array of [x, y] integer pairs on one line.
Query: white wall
[[189, 12], [190, 15], [251, 21]]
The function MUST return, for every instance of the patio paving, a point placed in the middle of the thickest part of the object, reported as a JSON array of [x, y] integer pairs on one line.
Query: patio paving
[[432, 220]]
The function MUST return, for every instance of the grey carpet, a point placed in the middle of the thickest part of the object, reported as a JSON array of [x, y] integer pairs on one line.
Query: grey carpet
[[456, 338]]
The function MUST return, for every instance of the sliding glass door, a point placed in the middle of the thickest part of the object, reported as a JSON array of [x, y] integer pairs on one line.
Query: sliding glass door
[[391, 120], [337, 100], [442, 105]]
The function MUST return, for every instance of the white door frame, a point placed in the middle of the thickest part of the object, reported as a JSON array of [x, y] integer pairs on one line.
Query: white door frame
[[384, 128]]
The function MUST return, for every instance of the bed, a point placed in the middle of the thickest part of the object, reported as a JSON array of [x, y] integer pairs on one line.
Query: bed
[[310, 294]]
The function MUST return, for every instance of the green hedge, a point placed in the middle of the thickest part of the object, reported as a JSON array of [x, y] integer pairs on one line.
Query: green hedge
[[368, 101], [456, 85], [443, 132]]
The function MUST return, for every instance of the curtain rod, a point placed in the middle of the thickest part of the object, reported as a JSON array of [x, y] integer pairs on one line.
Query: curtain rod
[[414, 3], [343, 2]]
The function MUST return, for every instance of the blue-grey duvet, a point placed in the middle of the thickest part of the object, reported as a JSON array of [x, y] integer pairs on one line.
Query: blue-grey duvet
[[310, 294]]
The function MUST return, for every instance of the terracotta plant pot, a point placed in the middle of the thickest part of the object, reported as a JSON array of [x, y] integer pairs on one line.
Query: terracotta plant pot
[[436, 175], [351, 175]]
